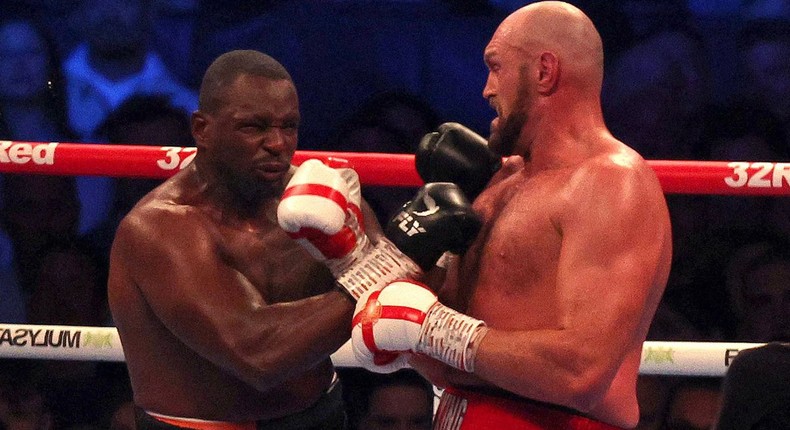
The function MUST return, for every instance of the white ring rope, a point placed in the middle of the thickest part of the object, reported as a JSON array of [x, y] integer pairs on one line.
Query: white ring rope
[[60, 342]]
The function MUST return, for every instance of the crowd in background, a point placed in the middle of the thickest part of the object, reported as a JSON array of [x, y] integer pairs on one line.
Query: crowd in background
[[684, 80]]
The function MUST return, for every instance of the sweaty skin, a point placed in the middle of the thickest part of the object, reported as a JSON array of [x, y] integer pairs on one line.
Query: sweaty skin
[[576, 245], [222, 316]]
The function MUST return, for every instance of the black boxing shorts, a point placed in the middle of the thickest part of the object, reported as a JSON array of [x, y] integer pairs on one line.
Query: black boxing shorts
[[464, 410], [327, 413]]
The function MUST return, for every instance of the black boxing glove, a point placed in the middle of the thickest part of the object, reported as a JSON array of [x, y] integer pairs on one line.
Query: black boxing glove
[[438, 219], [456, 154]]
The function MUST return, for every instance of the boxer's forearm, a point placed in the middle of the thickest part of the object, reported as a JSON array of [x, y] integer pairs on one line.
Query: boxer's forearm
[[294, 337]]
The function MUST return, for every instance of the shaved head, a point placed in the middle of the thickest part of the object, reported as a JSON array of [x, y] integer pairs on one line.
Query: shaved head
[[562, 29], [228, 67], [545, 65]]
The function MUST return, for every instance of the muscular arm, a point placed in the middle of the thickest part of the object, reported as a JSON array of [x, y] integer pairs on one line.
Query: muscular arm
[[610, 274], [215, 310]]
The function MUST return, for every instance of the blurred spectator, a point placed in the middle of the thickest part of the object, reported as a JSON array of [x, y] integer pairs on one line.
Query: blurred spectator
[[627, 23], [12, 306], [756, 391], [694, 404], [123, 417], [766, 9], [54, 16], [70, 289], [23, 405], [173, 36], [115, 62], [140, 120], [37, 210], [691, 221], [653, 393], [402, 400], [656, 94], [777, 219], [405, 117], [758, 289], [743, 132], [765, 58], [646, 18], [699, 292], [32, 103], [232, 24], [391, 122], [670, 324], [69, 286]]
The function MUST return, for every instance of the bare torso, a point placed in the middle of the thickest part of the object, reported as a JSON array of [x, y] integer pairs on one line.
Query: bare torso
[[208, 369], [509, 277]]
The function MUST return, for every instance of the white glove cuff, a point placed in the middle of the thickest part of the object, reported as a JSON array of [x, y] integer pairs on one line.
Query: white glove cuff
[[376, 268], [451, 337]]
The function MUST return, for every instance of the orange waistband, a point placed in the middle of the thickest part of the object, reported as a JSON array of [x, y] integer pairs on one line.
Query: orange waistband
[[196, 424], [481, 411]]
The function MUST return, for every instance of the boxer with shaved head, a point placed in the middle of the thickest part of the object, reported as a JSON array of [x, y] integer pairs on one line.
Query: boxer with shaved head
[[540, 324]]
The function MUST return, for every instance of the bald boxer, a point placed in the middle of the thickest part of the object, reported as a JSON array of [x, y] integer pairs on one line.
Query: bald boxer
[[226, 321], [540, 324]]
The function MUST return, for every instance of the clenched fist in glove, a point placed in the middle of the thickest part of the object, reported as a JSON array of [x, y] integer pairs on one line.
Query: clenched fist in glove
[[438, 219], [406, 316], [320, 209], [456, 154]]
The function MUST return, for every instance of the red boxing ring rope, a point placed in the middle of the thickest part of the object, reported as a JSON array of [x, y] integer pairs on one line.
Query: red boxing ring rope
[[138, 161], [678, 177]]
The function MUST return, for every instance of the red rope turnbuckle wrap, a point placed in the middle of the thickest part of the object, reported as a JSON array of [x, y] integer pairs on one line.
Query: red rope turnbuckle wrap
[[139, 161]]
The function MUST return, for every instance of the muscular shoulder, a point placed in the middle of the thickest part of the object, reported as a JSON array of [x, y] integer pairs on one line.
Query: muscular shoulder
[[615, 187], [159, 225], [620, 172]]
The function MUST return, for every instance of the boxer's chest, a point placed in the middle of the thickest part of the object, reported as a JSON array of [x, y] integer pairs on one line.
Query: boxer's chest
[[520, 219], [514, 261], [274, 264]]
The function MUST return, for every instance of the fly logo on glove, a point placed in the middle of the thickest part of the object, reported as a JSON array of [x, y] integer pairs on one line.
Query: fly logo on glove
[[409, 225], [438, 219]]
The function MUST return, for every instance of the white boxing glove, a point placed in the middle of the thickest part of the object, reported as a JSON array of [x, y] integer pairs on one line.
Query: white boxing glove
[[406, 316], [320, 209]]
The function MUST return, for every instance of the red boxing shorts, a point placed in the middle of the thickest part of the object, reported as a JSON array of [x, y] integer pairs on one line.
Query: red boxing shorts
[[464, 410]]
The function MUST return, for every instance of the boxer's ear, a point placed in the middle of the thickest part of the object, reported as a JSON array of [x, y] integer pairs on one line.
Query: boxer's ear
[[548, 73], [198, 126]]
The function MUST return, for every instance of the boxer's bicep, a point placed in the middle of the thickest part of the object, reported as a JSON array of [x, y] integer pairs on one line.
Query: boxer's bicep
[[612, 248], [178, 271]]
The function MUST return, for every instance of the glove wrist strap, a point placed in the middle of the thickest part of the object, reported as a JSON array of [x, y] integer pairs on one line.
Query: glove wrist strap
[[361, 247], [376, 268], [451, 337]]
